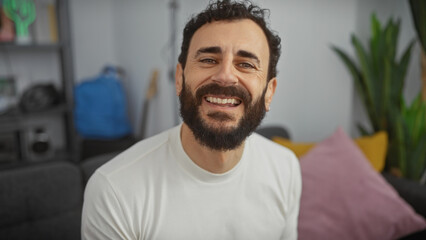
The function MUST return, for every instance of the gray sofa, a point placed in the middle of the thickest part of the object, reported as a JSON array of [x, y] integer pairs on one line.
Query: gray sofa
[[41, 201], [44, 200]]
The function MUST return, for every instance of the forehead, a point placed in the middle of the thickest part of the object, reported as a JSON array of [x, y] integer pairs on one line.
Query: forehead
[[231, 36]]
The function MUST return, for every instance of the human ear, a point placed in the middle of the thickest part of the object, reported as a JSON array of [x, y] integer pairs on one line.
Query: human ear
[[270, 91], [178, 79]]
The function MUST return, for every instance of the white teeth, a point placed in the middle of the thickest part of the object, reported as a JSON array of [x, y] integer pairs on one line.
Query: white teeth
[[222, 100]]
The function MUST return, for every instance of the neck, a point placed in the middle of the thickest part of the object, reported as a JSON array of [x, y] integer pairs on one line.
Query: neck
[[210, 160]]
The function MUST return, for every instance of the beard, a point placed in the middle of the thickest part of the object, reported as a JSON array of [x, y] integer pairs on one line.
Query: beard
[[221, 139]]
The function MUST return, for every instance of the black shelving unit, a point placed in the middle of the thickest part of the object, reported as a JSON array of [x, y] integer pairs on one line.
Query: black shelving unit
[[14, 122], [30, 47]]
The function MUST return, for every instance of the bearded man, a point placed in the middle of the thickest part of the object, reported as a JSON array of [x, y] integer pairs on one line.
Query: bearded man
[[210, 177]]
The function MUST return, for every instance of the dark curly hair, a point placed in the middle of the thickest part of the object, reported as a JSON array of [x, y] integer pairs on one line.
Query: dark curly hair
[[225, 10]]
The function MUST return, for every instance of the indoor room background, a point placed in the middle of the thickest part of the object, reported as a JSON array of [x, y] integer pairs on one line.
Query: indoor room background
[[42, 192], [315, 93]]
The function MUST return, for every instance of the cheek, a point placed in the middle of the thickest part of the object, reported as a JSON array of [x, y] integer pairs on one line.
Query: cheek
[[256, 89], [254, 82], [194, 78]]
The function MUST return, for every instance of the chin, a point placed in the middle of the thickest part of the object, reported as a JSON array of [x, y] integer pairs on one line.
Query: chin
[[221, 125], [221, 128]]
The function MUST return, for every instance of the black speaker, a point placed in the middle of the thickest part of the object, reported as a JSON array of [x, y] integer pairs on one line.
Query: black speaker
[[39, 97], [39, 145]]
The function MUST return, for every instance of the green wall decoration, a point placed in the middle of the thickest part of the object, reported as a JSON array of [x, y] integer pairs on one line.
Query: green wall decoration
[[23, 13]]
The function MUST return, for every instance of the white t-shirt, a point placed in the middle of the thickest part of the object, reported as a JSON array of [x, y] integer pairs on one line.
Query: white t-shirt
[[154, 190]]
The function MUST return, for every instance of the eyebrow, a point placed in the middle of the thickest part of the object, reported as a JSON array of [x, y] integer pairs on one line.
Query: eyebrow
[[208, 50], [240, 53], [246, 54]]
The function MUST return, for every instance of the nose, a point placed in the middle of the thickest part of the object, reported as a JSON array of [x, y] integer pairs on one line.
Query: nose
[[225, 75]]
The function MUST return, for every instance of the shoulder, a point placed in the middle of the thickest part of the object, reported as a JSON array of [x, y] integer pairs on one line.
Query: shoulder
[[143, 153], [276, 159], [140, 163], [271, 149], [278, 165]]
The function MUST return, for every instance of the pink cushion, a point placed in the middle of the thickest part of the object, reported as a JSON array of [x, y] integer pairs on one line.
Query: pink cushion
[[344, 198]]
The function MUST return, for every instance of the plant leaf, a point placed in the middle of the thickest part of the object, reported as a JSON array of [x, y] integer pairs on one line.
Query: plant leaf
[[418, 158], [386, 95], [367, 81], [376, 48], [399, 144]]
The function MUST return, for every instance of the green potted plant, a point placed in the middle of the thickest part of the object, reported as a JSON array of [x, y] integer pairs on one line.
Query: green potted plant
[[379, 78], [409, 147]]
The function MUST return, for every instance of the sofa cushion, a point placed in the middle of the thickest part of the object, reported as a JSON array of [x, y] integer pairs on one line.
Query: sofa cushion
[[344, 198], [41, 201], [374, 148]]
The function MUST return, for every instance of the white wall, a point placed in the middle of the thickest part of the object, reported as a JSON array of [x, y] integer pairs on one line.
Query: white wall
[[315, 92], [92, 31], [142, 38], [311, 99]]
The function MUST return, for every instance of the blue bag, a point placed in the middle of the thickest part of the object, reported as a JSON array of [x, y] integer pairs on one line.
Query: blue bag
[[100, 109]]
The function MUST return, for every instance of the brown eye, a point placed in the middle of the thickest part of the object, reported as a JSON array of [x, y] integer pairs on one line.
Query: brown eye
[[208, 61], [246, 65]]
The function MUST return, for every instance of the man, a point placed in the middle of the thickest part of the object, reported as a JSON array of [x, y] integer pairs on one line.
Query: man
[[207, 178]]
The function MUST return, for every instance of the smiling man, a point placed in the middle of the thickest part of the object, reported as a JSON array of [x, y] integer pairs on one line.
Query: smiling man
[[210, 177]]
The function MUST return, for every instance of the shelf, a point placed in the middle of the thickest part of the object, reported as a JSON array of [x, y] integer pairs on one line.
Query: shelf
[[14, 119], [57, 155], [49, 56], [30, 47]]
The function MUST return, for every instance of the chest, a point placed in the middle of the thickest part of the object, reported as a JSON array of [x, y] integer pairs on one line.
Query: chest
[[244, 209]]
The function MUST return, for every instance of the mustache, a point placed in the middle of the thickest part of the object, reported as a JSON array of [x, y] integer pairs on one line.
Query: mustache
[[228, 91]]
